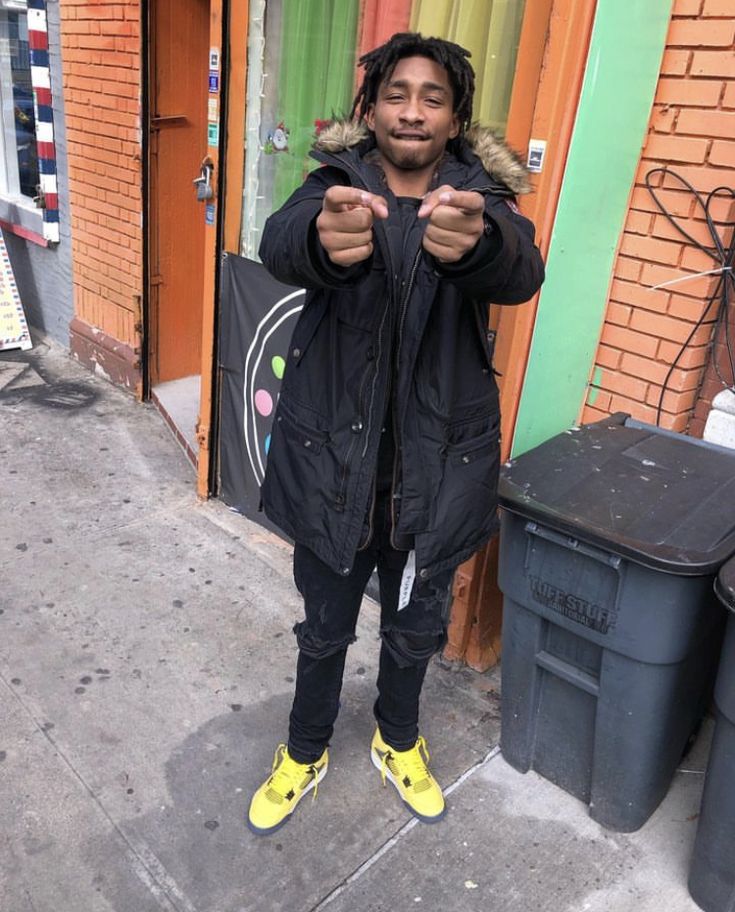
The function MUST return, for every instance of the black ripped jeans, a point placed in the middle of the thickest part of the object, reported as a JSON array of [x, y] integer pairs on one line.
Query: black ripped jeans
[[410, 637]]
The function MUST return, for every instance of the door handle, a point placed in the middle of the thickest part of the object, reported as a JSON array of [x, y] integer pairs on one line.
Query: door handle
[[203, 183], [167, 120]]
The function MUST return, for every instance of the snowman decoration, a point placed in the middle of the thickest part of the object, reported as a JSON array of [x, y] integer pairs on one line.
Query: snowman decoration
[[277, 140]]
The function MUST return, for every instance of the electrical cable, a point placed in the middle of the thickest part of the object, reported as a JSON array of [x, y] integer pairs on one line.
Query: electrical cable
[[724, 257]]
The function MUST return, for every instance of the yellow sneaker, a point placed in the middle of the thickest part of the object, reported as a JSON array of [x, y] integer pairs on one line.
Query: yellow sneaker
[[277, 797], [409, 772]]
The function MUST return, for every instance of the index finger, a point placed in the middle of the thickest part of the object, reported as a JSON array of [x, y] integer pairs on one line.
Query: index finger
[[432, 200], [469, 201], [339, 197]]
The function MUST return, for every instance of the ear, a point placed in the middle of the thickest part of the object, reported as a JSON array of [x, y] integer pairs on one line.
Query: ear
[[370, 117], [454, 129]]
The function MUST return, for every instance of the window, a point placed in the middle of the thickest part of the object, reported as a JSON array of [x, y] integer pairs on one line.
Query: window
[[302, 71], [19, 172]]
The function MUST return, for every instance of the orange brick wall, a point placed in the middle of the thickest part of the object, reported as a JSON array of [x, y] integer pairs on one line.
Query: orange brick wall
[[101, 59], [692, 130]]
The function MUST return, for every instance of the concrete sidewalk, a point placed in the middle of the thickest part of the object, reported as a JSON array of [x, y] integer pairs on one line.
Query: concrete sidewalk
[[146, 673]]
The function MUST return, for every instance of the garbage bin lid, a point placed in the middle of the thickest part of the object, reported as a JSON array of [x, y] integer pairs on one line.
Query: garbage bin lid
[[725, 585], [656, 497]]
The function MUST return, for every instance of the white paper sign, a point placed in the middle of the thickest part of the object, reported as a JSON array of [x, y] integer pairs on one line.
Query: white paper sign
[[13, 327]]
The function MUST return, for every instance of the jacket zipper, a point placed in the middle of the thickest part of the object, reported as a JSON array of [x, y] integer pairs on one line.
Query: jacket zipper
[[396, 433], [341, 496], [353, 442]]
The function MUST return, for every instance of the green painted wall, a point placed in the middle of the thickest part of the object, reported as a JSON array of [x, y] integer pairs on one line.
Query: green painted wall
[[622, 70]]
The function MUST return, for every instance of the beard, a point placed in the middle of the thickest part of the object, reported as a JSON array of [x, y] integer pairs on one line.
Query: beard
[[409, 157]]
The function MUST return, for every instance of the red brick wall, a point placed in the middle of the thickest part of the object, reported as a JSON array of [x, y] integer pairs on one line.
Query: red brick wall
[[692, 130], [101, 59]]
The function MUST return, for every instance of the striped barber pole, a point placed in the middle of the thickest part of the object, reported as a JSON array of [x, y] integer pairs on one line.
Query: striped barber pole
[[42, 105]]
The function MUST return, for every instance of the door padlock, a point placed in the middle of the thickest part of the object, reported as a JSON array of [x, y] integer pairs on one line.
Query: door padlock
[[203, 183]]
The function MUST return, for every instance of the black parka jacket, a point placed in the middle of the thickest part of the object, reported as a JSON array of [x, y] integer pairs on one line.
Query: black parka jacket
[[398, 325]]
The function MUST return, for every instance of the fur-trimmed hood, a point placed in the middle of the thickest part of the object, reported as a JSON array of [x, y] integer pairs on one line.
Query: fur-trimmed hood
[[497, 158]]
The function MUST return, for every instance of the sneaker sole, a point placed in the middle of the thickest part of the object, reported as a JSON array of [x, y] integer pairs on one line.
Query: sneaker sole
[[377, 763], [266, 831]]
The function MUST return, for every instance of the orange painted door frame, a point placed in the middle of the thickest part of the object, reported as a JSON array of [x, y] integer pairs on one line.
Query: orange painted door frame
[[552, 57], [227, 34]]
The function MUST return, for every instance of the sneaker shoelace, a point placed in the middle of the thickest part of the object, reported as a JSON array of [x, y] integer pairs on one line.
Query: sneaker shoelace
[[288, 776], [413, 765]]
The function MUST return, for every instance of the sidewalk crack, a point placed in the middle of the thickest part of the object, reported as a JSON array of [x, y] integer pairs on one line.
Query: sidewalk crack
[[395, 839], [144, 863]]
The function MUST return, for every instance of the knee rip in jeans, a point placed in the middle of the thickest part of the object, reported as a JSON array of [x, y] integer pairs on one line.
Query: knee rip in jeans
[[411, 648], [315, 646]]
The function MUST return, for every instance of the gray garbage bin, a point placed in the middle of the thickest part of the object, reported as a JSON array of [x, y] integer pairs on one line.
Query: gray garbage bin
[[611, 537], [712, 874]]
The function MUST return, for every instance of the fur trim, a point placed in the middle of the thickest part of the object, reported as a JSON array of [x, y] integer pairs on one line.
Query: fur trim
[[498, 159], [341, 135]]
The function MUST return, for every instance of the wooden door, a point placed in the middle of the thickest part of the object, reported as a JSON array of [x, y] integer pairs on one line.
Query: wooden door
[[178, 145]]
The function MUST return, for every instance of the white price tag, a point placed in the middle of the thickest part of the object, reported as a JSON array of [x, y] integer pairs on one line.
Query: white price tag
[[409, 575]]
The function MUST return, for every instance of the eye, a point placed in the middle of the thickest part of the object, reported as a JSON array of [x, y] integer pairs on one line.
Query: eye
[[434, 102]]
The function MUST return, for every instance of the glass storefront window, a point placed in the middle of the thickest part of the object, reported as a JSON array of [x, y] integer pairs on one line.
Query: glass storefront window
[[19, 162], [302, 57]]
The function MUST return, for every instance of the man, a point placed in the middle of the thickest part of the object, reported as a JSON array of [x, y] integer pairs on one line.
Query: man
[[385, 442]]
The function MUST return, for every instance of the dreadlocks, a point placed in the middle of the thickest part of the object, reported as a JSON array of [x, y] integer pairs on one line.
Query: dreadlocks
[[380, 63]]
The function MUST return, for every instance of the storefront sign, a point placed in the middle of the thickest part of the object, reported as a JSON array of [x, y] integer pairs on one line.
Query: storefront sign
[[13, 327]]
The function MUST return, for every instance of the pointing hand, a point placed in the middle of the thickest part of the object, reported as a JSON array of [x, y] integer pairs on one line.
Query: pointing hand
[[345, 224], [455, 222]]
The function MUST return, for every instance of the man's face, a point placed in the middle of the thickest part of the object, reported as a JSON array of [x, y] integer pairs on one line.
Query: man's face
[[413, 116]]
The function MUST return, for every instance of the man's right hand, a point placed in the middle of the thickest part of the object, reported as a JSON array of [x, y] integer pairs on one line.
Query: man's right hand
[[345, 224]]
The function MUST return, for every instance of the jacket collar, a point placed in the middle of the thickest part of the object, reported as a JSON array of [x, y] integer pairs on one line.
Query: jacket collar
[[501, 163]]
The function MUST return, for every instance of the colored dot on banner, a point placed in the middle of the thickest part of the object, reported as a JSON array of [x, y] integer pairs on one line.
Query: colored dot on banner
[[278, 365], [267, 444], [263, 403]]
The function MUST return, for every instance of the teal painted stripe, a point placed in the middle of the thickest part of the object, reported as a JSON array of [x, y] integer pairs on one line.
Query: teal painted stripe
[[622, 70]]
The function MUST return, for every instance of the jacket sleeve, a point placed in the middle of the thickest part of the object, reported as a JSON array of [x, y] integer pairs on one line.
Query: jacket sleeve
[[290, 248], [505, 266]]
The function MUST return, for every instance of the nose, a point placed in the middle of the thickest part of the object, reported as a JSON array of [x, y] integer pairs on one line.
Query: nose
[[411, 113]]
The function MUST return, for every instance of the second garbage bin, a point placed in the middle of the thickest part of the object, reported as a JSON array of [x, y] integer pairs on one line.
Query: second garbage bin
[[611, 537], [712, 875]]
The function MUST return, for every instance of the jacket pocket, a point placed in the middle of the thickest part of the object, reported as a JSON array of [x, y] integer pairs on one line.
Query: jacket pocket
[[465, 506], [298, 431], [306, 327], [301, 468], [474, 449]]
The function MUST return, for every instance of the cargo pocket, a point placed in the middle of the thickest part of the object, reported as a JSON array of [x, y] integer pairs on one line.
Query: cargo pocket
[[466, 503], [301, 465]]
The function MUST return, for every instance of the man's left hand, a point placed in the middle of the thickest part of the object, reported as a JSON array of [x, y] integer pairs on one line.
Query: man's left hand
[[455, 222]]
